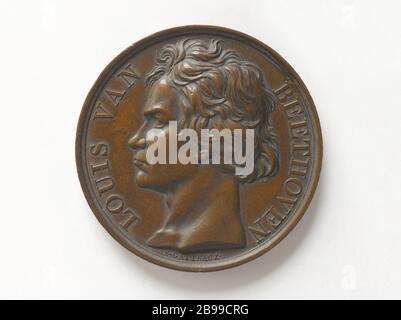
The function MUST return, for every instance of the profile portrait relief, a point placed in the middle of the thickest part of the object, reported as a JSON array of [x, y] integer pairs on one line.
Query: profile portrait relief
[[201, 84]]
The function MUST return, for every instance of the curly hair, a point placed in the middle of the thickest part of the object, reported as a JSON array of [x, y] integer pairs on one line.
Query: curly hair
[[221, 90]]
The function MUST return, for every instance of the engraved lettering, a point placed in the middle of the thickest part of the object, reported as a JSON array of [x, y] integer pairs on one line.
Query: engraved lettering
[[287, 203], [298, 124], [99, 149], [128, 75], [263, 227], [104, 184], [114, 203], [284, 92], [259, 231], [100, 167], [293, 111], [293, 186], [274, 212], [101, 112], [114, 96], [130, 218], [299, 167], [304, 149]]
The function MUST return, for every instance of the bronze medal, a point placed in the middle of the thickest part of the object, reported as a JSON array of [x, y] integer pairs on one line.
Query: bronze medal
[[242, 156]]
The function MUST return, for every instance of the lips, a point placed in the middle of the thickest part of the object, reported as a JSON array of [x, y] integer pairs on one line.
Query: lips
[[142, 165]]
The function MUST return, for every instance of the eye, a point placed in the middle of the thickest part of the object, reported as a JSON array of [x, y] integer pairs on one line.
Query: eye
[[158, 123]]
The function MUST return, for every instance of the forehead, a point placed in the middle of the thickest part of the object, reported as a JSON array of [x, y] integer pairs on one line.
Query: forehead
[[161, 96]]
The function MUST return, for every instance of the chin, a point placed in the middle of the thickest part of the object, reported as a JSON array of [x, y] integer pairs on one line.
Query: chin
[[144, 180]]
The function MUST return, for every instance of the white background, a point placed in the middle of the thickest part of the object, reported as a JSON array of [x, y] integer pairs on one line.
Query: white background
[[347, 246]]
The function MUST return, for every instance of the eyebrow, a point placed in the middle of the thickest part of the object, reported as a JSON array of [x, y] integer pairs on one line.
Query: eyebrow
[[154, 109]]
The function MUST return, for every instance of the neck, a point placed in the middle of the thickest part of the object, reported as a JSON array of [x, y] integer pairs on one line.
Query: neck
[[203, 214]]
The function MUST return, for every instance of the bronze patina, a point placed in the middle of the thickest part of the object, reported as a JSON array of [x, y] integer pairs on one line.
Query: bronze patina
[[198, 217]]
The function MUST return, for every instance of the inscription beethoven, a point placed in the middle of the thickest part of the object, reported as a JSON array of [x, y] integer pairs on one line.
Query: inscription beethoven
[[300, 159]]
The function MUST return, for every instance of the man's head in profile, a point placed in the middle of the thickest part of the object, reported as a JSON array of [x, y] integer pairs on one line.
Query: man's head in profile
[[201, 85]]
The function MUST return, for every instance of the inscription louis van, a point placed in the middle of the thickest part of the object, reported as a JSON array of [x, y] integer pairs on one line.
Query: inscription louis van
[[108, 102], [104, 183]]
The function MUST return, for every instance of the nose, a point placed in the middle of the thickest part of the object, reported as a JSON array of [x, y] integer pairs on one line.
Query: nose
[[137, 141]]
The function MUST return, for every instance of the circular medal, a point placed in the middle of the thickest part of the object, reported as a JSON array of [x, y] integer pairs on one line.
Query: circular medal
[[198, 148]]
